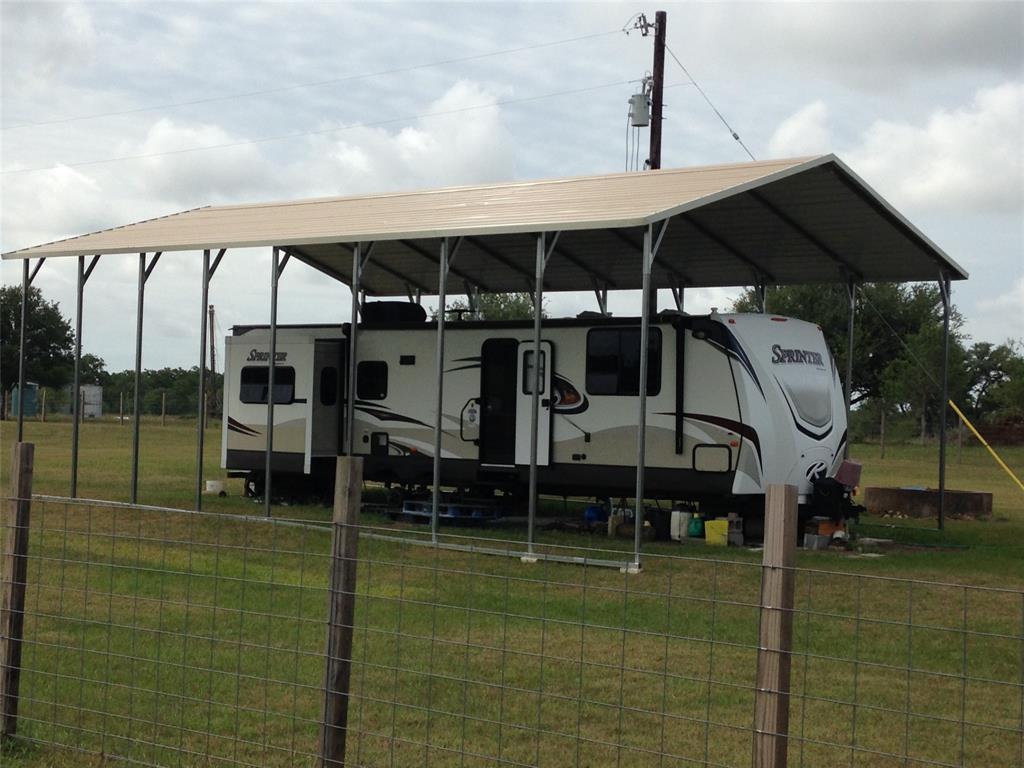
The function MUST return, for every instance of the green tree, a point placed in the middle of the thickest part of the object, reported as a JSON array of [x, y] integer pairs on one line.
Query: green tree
[[913, 381], [49, 340], [991, 368], [886, 314], [500, 306]]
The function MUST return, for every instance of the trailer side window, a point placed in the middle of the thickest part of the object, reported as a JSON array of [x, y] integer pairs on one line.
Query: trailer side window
[[255, 380], [328, 385], [613, 361], [372, 380]]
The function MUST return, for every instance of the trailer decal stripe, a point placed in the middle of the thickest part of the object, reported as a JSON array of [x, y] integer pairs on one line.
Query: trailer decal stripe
[[237, 426], [383, 415], [743, 430]]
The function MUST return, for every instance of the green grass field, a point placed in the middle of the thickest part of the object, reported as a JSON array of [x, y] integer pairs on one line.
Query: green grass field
[[554, 664]]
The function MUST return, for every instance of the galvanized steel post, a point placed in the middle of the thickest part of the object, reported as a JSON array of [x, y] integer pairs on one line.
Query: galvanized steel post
[[538, 298], [641, 432], [276, 268], [442, 286], [350, 409], [76, 397], [200, 426], [136, 411], [944, 290], [21, 351], [851, 293]]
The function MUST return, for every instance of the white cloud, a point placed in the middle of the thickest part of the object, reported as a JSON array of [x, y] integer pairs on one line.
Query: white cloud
[[449, 145], [1001, 318], [806, 132], [970, 158]]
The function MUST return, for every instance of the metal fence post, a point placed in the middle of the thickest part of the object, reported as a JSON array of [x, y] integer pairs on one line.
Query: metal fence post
[[348, 486], [14, 569], [775, 646]]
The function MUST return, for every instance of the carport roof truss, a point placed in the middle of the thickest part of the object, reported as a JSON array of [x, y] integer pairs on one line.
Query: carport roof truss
[[794, 221]]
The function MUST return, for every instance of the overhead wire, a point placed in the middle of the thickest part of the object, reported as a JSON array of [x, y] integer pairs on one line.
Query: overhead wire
[[312, 84], [319, 131], [707, 98]]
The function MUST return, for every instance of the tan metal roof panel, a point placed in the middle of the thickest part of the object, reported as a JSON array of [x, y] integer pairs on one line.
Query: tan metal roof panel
[[797, 220]]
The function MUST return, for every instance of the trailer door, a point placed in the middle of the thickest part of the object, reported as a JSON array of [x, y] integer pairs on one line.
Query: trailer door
[[498, 399], [327, 377], [524, 388]]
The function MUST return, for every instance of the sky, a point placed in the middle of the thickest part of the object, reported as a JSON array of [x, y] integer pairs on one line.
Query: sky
[[115, 112]]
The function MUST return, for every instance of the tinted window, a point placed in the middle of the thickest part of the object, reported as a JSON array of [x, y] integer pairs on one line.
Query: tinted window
[[372, 380], [529, 373], [255, 380], [328, 385], [613, 361]]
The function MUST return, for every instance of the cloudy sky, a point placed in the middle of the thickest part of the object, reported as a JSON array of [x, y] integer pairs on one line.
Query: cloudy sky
[[115, 112]]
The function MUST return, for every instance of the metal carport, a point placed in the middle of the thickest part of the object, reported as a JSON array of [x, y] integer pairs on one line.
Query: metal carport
[[780, 222]]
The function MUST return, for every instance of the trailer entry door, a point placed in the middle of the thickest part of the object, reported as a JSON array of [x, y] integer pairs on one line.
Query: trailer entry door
[[524, 386], [498, 361], [327, 401]]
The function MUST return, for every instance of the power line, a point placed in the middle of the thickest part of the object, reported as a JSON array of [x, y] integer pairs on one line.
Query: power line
[[317, 83], [321, 131], [710, 104]]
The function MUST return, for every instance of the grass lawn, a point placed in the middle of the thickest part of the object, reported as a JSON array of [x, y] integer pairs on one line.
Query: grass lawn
[[208, 653]]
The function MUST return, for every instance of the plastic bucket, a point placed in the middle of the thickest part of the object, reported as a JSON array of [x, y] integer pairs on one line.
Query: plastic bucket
[[716, 532], [214, 486]]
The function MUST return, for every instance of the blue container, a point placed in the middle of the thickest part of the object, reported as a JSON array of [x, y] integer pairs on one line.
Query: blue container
[[595, 513]]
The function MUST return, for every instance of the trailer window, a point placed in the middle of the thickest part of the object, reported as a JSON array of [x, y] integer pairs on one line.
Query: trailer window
[[255, 381], [613, 361], [372, 380], [529, 373], [328, 385]]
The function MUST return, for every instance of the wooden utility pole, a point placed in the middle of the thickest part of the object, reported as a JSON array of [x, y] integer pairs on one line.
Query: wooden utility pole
[[657, 87]]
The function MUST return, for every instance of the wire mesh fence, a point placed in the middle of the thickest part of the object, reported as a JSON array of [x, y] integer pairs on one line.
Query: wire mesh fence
[[174, 638]]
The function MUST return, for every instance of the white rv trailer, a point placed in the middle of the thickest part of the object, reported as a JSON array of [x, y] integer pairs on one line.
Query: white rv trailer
[[735, 402]]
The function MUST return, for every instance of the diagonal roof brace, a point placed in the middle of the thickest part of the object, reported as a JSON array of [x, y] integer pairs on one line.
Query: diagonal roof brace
[[420, 251], [804, 233], [721, 242]]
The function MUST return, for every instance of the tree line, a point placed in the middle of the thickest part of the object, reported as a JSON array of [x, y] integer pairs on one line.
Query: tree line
[[49, 362]]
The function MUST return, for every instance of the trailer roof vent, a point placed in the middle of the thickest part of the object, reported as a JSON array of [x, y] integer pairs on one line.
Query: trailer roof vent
[[393, 312]]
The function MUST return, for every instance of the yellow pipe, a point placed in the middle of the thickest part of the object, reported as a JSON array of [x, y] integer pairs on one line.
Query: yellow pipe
[[995, 455]]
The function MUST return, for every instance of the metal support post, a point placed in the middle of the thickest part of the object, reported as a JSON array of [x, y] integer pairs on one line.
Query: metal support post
[[21, 351], [276, 268], [762, 296], [200, 427], [944, 289], [26, 284], [851, 294], [76, 396], [442, 286], [544, 250], [360, 256], [144, 273], [641, 432], [601, 293], [650, 250], [678, 295]]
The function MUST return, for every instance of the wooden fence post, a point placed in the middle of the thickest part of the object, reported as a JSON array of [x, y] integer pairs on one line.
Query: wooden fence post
[[14, 570], [163, 409], [774, 659], [348, 487]]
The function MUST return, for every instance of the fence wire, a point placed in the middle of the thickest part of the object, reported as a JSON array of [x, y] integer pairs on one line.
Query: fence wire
[[173, 638]]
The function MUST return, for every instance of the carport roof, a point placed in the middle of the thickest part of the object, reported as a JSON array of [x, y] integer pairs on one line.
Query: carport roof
[[794, 221]]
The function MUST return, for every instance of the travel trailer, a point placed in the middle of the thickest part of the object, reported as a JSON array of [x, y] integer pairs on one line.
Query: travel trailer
[[735, 402]]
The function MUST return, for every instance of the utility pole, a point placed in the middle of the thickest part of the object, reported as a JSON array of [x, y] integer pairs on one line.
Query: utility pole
[[657, 86]]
